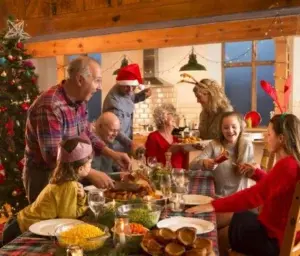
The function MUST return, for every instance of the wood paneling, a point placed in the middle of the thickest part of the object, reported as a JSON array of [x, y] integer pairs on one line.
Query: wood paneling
[[96, 4], [209, 33], [42, 9], [81, 15]]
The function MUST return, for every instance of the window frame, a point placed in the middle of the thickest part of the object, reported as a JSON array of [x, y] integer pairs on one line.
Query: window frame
[[253, 64]]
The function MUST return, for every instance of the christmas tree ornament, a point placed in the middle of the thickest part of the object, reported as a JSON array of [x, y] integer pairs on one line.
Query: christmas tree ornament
[[17, 123], [12, 82], [20, 45], [2, 174], [28, 64], [28, 73], [10, 57], [20, 58], [20, 87], [2, 60], [3, 74], [17, 192], [25, 106], [10, 127], [16, 30], [21, 164], [33, 80]]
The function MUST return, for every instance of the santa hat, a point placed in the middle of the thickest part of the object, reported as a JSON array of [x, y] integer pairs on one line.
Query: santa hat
[[130, 76]]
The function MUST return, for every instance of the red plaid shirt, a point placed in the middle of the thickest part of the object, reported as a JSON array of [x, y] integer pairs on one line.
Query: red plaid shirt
[[54, 117]]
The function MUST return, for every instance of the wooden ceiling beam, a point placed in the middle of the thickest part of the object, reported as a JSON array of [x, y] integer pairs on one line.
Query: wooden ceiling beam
[[169, 37], [83, 15]]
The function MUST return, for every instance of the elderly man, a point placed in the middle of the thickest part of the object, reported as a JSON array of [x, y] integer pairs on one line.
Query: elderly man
[[121, 99], [58, 114], [107, 128]]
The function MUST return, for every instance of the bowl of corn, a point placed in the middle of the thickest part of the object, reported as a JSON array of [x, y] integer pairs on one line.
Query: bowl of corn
[[88, 236]]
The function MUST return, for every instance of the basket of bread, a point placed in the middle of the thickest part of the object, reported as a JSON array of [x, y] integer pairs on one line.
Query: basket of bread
[[183, 242]]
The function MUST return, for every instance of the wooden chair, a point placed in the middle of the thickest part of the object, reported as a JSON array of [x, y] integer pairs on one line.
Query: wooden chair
[[288, 247], [267, 159]]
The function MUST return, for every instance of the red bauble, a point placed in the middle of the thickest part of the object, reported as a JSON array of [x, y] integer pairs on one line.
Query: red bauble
[[20, 45], [10, 57], [33, 80], [12, 82], [25, 106], [21, 164], [10, 127], [3, 109], [2, 174], [17, 192]]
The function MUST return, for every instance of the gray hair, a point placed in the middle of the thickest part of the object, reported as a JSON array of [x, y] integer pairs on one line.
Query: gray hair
[[158, 114], [80, 65]]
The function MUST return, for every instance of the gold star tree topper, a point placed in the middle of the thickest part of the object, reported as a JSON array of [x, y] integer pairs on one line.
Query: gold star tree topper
[[16, 30]]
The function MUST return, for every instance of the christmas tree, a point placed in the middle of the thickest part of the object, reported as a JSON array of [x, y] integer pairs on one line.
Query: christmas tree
[[18, 89]]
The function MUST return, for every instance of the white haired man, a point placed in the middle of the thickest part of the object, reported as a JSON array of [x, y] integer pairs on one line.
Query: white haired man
[[61, 113]]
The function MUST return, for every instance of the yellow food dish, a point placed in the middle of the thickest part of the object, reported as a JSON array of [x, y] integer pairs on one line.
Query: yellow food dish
[[87, 236], [190, 140]]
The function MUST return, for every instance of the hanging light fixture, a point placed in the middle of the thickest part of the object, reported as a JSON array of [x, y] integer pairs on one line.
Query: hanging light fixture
[[192, 64], [124, 63]]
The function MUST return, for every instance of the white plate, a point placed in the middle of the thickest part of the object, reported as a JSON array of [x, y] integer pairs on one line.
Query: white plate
[[47, 227], [174, 223], [196, 199]]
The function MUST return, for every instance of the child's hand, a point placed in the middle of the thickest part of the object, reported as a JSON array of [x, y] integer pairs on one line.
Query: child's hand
[[247, 169], [80, 190], [209, 164]]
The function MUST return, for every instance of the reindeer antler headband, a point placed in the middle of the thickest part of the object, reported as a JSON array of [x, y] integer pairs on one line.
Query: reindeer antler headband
[[185, 75]]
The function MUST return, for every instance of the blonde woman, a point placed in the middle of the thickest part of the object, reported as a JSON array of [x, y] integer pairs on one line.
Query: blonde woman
[[214, 102], [162, 140]]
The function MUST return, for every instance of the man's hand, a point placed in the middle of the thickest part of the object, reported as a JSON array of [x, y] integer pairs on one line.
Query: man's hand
[[120, 158], [100, 179], [148, 92]]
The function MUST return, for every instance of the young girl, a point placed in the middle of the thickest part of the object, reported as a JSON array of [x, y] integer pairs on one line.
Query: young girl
[[63, 197], [227, 178], [262, 234]]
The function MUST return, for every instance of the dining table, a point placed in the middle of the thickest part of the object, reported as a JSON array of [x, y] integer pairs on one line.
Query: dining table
[[29, 244]]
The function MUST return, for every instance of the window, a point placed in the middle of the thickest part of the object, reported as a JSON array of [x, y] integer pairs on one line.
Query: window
[[245, 65]]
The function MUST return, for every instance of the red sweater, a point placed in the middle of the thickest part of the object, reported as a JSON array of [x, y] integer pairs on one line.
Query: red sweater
[[156, 145], [274, 191]]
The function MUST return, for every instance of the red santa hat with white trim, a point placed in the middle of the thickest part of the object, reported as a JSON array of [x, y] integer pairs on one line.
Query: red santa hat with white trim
[[130, 76]]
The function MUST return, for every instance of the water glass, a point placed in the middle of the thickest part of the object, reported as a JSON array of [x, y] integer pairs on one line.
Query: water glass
[[96, 201], [177, 202], [152, 161], [166, 185]]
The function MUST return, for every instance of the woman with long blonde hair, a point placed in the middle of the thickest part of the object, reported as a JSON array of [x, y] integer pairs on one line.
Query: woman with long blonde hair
[[214, 103]]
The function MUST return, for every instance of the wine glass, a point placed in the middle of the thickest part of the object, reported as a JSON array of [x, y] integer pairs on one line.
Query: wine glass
[[181, 180], [96, 201], [166, 186], [152, 161]]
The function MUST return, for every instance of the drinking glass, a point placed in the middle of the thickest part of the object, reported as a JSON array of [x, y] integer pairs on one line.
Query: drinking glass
[[177, 202], [152, 161], [96, 201], [166, 185], [181, 180]]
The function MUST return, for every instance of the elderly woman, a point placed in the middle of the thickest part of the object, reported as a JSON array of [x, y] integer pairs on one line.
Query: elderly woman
[[162, 140], [214, 103]]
